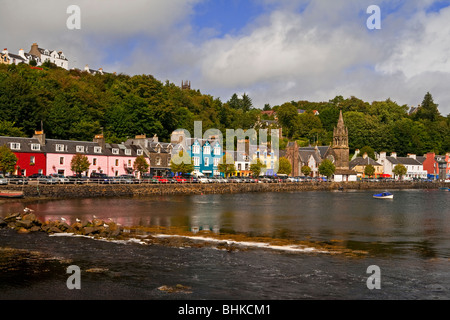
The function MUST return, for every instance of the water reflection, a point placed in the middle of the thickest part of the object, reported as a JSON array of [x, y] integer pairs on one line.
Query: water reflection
[[416, 220]]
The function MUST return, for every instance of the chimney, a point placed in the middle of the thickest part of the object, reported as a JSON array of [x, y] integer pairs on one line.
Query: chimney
[[5, 51], [365, 155], [40, 135], [411, 155], [86, 68], [394, 154], [100, 140], [22, 53], [35, 50]]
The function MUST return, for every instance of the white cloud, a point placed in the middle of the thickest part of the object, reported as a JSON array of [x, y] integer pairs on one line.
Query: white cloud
[[301, 49]]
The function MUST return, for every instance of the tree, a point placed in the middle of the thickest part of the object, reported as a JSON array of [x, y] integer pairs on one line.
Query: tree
[[327, 168], [306, 170], [369, 150], [284, 166], [428, 110], [399, 170], [8, 160], [79, 164], [369, 170], [181, 163], [226, 165], [256, 168], [141, 165]]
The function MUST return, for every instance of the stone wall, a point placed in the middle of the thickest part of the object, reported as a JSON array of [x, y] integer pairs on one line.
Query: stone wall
[[94, 190]]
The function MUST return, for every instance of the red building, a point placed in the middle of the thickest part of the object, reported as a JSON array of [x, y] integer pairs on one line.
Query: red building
[[30, 155], [437, 165]]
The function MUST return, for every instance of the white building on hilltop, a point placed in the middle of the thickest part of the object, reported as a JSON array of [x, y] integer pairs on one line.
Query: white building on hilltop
[[36, 54]]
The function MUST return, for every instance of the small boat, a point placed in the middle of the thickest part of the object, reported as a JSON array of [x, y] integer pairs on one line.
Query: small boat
[[444, 189], [11, 194], [384, 195]]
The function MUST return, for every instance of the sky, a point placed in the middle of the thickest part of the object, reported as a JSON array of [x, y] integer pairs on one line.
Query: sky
[[274, 51]]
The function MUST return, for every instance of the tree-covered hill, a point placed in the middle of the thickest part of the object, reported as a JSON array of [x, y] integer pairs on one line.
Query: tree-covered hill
[[76, 105]]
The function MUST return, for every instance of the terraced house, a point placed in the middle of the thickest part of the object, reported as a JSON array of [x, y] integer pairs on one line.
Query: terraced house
[[38, 155]]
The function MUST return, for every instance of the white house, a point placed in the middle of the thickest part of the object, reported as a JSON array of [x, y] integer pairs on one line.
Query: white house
[[413, 166], [43, 55]]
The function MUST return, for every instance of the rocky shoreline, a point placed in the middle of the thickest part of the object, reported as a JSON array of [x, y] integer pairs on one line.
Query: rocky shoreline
[[26, 222]]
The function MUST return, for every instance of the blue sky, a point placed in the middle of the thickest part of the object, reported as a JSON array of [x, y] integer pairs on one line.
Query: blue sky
[[273, 50]]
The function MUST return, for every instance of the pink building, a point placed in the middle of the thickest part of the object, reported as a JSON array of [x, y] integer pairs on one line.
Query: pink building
[[111, 159]]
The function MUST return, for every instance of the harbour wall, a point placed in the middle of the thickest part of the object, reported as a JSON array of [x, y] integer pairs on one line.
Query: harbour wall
[[122, 190]]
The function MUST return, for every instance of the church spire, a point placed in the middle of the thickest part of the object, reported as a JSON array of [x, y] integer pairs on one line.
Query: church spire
[[340, 133]]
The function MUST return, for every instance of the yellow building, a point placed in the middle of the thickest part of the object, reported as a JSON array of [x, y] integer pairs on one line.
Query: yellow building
[[359, 165]]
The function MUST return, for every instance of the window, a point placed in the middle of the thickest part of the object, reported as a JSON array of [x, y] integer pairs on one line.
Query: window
[[239, 167], [80, 148], [217, 151], [97, 149], [116, 162], [32, 160], [35, 147], [216, 162], [59, 147], [196, 161], [94, 161], [129, 162], [140, 152], [115, 151], [195, 149], [15, 146], [207, 149], [128, 152], [158, 161], [61, 160], [206, 161]]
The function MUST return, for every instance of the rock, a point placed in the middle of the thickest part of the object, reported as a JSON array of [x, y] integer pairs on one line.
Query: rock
[[54, 230], [12, 217], [88, 230], [2, 223], [23, 230], [24, 223], [63, 226], [97, 222], [35, 228], [29, 216]]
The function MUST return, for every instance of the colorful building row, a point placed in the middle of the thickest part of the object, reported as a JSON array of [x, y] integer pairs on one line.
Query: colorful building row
[[38, 155]]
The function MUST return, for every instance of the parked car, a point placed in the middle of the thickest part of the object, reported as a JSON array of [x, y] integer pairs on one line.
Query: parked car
[[126, 179], [18, 180], [202, 179], [161, 179], [48, 180], [78, 179], [180, 179], [36, 176], [60, 178], [3, 180], [291, 179], [99, 178]]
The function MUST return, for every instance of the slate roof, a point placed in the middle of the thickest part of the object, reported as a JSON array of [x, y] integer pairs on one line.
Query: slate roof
[[360, 161], [25, 144]]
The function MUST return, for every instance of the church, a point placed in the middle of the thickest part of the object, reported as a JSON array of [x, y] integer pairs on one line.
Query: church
[[338, 153]]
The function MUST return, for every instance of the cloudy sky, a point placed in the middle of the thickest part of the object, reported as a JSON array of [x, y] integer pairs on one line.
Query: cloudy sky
[[273, 50]]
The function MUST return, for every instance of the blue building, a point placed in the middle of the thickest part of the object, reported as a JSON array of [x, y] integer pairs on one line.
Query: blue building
[[205, 155]]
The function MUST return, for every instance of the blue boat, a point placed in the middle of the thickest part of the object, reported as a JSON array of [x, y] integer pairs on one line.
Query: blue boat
[[444, 188], [384, 195]]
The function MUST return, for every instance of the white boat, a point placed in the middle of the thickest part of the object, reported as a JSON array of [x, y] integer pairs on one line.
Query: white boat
[[384, 195]]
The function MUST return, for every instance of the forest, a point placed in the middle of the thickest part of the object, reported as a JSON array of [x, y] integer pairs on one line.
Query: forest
[[76, 105]]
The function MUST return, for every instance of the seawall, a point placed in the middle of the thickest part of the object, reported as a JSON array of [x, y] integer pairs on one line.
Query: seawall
[[95, 190]]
